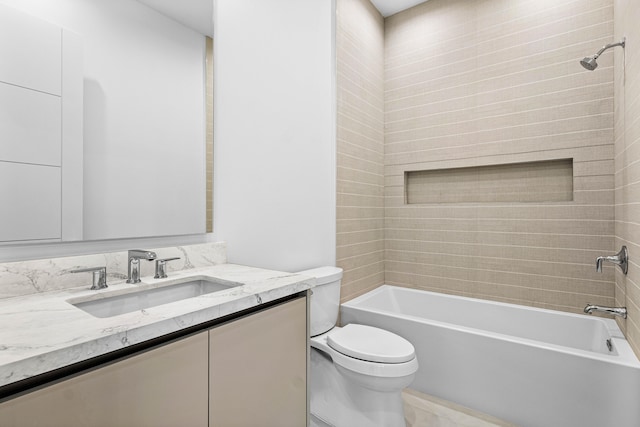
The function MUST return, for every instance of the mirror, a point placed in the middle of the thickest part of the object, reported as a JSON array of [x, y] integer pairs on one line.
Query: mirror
[[145, 115]]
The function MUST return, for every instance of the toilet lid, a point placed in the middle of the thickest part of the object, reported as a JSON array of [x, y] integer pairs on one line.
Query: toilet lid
[[371, 344]]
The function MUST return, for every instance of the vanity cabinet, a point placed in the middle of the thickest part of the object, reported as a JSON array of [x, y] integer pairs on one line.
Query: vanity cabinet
[[258, 369], [248, 371], [164, 386]]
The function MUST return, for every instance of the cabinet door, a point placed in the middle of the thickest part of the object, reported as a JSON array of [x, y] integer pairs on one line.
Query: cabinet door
[[166, 386], [258, 371]]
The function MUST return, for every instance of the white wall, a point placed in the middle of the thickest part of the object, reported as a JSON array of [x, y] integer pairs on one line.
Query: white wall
[[274, 143]]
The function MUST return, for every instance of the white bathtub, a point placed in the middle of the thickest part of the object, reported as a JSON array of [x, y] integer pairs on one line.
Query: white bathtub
[[528, 366]]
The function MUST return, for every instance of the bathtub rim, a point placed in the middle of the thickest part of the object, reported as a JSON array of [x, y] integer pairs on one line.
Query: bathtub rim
[[625, 355]]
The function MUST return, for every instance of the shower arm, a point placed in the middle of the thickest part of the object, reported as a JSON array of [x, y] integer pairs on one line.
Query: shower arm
[[609, 46]]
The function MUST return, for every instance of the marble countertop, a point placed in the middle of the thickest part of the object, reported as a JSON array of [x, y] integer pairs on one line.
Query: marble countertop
[[43, 332]]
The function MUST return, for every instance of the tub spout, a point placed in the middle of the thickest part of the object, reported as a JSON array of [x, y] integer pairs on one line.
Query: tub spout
[[616, 311]]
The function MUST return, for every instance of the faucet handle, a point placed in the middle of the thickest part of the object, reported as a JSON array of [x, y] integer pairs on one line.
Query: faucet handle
[[621, 259], [99, 276], [161, 267]]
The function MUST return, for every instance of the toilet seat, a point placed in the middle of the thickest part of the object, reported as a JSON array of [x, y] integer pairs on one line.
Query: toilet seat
[[371, 344], [364, 367]]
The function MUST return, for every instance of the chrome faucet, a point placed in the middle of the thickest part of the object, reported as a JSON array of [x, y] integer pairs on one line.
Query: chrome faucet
[[134, 257], [616, 311], [621, 259]]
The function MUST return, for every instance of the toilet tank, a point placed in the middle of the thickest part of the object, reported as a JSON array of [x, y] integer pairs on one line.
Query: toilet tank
[[325, 301]]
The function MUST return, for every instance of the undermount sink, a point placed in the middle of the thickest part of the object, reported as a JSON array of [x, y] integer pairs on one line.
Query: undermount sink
[[151, 297]]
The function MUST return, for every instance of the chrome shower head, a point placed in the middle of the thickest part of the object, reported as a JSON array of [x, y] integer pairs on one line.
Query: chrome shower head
[[589, 62]]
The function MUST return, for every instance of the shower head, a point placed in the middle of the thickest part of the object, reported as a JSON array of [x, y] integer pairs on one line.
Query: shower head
[[590, 63]]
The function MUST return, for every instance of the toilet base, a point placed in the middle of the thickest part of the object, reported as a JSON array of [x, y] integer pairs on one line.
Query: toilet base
[[341, 401]]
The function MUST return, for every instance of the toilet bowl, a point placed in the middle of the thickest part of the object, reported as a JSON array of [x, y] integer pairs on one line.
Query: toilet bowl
[[357, 371]]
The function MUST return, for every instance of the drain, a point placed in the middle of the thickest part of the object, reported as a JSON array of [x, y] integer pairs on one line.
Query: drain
[[609, 345]]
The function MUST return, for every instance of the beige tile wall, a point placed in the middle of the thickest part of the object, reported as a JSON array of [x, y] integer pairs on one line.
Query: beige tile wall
[[360, 150], [472, 83], [627, 162]]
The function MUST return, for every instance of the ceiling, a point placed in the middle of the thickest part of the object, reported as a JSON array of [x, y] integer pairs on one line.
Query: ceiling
[[391, 7], [198, 14], [195, 14]]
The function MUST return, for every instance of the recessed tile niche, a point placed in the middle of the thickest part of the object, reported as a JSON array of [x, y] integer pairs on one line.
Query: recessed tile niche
[[540, 181]]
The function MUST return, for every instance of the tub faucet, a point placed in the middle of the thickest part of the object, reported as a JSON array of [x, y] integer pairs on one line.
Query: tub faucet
[[134, 256], [621, 259], [616, 311]]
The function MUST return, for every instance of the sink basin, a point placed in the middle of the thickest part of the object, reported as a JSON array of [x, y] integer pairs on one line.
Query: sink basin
[[151, 297]]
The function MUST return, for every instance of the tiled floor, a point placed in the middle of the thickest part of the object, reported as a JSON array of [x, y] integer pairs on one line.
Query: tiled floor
[[423, 410]]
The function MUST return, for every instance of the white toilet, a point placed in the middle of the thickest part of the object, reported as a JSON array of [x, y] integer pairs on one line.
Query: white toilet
[[357, 371]]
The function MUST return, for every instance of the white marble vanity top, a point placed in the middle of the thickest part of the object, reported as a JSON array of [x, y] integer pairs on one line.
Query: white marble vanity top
[[44, 331]]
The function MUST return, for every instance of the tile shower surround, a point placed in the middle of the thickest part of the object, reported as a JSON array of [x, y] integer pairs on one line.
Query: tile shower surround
[[469, 84], [360, 146], [499, 82]]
